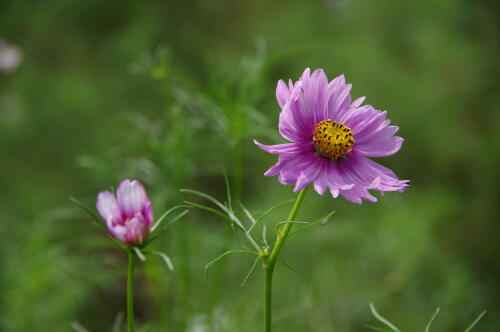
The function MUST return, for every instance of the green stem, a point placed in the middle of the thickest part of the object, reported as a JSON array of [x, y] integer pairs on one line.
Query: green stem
[[130, 291], [268, 276], [270, 262]]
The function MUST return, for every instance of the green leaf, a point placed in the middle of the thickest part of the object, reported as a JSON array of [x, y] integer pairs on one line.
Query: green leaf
[[250, 272], [164, 215], [233, 221], [427, 329], [230, 252], [264, 236], [269, 211], [165, 258], [228, 190], [208, 208], [321, 221], [96, 220], [165, 228], [247, 213], [289, 222], [474, 323], [380, 329], [288, 266], [207, 197], [382, 319], [139, 253], [117, 325], [78, 327]]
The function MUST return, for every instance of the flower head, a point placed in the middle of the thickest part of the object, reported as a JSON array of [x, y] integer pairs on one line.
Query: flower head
[[129, 215], [331, 139]]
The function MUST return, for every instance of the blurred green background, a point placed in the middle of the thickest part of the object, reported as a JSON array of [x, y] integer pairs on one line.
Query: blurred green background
[[170, 92]]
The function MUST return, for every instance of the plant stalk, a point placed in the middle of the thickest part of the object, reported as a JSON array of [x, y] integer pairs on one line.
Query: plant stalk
[[130, 291], [270, 261]]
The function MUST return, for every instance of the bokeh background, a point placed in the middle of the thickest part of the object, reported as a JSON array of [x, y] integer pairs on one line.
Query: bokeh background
[[172, 92]]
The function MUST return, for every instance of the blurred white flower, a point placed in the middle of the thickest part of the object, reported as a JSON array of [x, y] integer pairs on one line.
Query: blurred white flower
[[10, 57]]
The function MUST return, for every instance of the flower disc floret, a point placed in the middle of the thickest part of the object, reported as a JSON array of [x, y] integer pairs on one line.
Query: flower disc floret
[[332, 139]]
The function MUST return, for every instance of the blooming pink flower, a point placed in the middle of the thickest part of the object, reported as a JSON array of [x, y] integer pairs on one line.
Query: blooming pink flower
[[332, 138], [129, 215]]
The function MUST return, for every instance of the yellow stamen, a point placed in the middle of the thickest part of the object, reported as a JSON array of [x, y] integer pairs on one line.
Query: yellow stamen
[[333, 139]]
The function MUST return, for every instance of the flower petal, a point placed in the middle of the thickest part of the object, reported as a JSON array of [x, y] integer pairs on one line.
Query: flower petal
[[131, 197], [282, 93], [292, 122], [309, 174], [339, 98], [108, 208], [372, 133], [279, 148], [147, 212], [366, 174], [291, 165], [133, 231]]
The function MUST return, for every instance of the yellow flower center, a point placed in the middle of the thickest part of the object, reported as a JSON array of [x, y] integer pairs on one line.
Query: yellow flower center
[[332, 139]]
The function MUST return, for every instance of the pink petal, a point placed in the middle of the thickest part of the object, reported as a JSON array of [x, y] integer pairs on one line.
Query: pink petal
[[133, 231], [339, 98], [372, 133], [108, 208], [282, 93], [131, 197]]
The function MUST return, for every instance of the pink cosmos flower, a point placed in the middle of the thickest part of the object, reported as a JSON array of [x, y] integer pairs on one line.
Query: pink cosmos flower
[[129, 215], [332, 138]]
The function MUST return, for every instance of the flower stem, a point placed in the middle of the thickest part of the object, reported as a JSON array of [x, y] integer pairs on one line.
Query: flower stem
[[268, 276], [270, 261], [130, 291]]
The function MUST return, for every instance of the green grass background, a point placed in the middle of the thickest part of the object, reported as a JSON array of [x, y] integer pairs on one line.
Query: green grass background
[[170, 92]]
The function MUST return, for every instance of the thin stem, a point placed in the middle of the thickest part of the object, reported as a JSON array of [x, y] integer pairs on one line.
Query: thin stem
[[268, 275], [283, 232], [270, 261], [252, 241], [130, 291]]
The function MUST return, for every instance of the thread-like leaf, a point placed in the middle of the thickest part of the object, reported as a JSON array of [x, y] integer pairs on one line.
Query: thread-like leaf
[[321, 221], [165, 258], [250, 272], [228, 190], [139, 253], [164, 215], [278, 225], [474, 323], [230, 252], [427, 328], [208, 208], [288, 266], [117, 325], [207, 197], [382, 319], [165, 228], [264, 236], [96, 220], [269, 211], [78, 327], [380, 329], [247, 213]]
